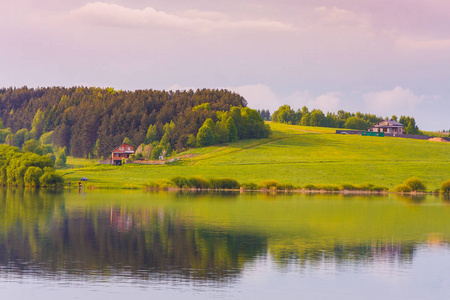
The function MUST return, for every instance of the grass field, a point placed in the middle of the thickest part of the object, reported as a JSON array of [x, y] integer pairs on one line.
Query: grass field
[[293, 155]]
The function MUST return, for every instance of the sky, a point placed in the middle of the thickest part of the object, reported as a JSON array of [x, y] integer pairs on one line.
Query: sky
[[374, 56]]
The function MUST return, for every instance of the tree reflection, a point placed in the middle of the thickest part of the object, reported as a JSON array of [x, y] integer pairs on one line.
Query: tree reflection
[[40, 233], [116, 239]]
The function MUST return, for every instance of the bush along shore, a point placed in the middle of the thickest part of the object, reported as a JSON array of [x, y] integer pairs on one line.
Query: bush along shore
[[411, 186], [28, 169]]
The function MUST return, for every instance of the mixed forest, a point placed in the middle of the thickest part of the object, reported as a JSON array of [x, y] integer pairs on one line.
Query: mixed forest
[[91, 122]]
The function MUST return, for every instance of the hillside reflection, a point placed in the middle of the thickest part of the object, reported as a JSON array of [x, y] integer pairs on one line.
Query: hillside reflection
[[44, 233]]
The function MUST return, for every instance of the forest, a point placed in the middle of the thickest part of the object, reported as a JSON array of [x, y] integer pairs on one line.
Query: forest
[[91, 122]]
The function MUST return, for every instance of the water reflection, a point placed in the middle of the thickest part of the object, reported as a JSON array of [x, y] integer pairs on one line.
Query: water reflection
[[204, 237]]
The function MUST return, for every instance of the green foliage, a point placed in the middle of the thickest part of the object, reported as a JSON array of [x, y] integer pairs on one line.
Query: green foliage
[[192, 141], [61, 158], [81, 116], [160, 184], [268, 184], [356, 123], [402, 188], [147, 151], [310, 187], [33, 146], [15, 164], [221, 133], [180, 182], [265, 114], [210, 123], [32, 175], [51, 179], [9, 140], [198, 182], [3, 134], [46, 138], [52, 157], [1, 124], [151, 134], [203, 106], [305, 121], [327, 187], [317, 118], [286, 115], [156, 152], [224, 183], [415, 184], [46, 149], [205, 136], [36, 125], [126, 140], [445, 187], [349, 187], [20, 137], [410, 125], [250, 186], [232, 130]]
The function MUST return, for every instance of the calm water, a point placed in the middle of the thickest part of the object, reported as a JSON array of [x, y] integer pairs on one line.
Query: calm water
[[111, 245]]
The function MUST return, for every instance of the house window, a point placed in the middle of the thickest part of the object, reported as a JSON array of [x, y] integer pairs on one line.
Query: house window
[[120, 148], [129, 148]]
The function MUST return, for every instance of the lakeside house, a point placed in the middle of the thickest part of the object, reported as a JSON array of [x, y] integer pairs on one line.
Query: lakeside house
[[122, 152], [387, 126]]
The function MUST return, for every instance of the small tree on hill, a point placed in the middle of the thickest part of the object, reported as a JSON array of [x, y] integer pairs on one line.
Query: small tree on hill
[[205, 136], [232, 130]]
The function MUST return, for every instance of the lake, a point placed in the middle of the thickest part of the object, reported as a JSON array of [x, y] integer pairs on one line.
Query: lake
[[158, 245]]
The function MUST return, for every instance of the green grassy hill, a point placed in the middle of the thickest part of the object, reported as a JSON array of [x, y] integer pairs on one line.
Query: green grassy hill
[[295, 155]]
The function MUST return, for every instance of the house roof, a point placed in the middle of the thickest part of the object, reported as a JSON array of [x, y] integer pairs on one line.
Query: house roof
[[124, 149], [390, 122]]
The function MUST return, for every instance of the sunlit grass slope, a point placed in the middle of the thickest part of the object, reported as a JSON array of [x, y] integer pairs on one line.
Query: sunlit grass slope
[[294, 154]]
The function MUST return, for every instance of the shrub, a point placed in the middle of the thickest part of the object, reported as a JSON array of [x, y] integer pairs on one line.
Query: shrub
[[310, 187], [198, 182], [286, 186], [32, 175], [349, 187], [379, 188], [415, 184], [328, 188], [224, 183], [153, 185], [270, 184], [445, 187], [52, 157], [51, 179], [180, 182], [403, 188], [366, 187], [250, 186]]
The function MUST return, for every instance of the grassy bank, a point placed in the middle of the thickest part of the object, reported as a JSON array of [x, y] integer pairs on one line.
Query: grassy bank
[[294, 155]]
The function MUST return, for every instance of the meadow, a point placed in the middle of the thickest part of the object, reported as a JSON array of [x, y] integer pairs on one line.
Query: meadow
[[294, 155]]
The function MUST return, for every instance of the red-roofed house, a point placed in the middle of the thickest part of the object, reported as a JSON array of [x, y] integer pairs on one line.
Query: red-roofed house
[[123, 151]]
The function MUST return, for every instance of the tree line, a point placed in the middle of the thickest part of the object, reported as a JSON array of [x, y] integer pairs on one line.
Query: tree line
[[26, 169], [341, 119], [91, 122]]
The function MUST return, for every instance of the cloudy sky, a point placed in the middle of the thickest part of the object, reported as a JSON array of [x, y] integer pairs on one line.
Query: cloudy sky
[[377, 56]]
